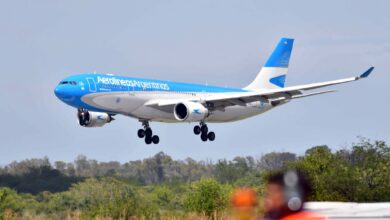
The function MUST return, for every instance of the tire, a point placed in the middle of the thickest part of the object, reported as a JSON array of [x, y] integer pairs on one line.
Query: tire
[[203, 137], [155, 139], [204, 129], [211, 136], [197, 130], [148, 140], [141, 133], [148, 132]]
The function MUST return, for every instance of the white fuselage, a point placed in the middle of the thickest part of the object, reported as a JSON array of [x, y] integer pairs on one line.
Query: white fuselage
[[133, 104]]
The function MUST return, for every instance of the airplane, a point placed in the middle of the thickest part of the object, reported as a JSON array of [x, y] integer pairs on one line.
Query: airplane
[[99, 97]]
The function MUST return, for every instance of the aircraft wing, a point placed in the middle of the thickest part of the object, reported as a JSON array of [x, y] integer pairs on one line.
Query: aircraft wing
[[242, 98]]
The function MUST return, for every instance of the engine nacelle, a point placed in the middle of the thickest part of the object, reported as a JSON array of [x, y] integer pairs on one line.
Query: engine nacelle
[[93, 119], [190, 111]]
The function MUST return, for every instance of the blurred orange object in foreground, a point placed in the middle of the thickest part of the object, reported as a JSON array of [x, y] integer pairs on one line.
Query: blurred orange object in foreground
[[244, 197], [244, 203]]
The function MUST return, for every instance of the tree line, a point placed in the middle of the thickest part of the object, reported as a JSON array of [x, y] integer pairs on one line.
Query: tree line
[[25, 176], [162, 186]]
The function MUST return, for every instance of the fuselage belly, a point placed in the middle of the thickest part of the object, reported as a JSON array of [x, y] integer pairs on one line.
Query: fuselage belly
[[133, 104]]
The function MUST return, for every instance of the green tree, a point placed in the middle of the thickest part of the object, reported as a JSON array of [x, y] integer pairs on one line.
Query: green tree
[[275, 160], [361, 174], [315, 163], [230, 171], [16, 203], [105, 197], [207, 196]]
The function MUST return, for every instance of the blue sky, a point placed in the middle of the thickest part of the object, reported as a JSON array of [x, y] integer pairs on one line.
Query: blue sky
[[216, 42]]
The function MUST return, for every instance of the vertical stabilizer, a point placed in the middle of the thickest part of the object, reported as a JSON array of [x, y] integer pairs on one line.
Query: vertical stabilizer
[[273, 74]]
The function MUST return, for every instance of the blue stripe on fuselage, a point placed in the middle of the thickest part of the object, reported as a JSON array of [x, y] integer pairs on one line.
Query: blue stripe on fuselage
[[97, 83], [114, 83]]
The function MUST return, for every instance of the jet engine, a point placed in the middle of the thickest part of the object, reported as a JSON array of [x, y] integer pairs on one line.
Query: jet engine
[[190, 111], [93, 119]]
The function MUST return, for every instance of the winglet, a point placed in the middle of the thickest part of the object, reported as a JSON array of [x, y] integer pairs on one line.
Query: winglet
[[367, 73]]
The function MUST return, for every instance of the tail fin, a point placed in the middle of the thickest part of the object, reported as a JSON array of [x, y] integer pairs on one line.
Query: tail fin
[[273, 74]]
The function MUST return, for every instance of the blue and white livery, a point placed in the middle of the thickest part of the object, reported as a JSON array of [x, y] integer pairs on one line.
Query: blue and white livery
[[99, 97]]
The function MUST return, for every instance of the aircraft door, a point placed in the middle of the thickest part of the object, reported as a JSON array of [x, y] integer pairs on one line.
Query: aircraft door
[[91, 84]]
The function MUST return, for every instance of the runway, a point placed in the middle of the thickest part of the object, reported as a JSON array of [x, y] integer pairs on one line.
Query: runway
[[351, 210]]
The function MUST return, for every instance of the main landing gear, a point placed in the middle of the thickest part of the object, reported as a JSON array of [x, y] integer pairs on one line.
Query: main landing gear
[[203, 130], [148, 134]]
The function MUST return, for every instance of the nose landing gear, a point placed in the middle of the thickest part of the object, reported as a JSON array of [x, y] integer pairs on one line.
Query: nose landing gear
[[147, 133], [203, 130]]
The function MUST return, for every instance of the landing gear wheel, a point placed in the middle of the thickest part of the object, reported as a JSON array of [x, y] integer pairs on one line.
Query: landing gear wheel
[[197, 130], [148, 140], [155, 139], [148, 132], [211, 136], [141, 133], [203, 136], [204, 129]]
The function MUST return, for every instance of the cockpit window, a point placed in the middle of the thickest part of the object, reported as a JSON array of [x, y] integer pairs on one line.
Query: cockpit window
[[68, 82]]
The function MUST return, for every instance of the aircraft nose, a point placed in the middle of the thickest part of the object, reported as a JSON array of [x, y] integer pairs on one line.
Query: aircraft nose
[[63, 92], [58, 92]]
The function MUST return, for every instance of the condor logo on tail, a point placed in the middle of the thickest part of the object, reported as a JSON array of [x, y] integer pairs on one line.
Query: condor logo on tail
[[278, 81]]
